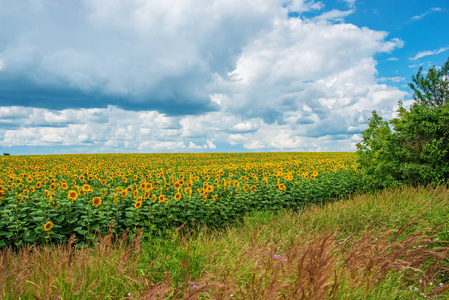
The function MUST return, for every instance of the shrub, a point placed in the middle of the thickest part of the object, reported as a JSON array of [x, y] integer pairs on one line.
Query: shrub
[[412, 148]]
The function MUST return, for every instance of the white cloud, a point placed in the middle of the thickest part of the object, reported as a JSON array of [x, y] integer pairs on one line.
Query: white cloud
[[414, 66], [244, 127], [211, 144], [431, 10], [334, 15], [301, 6], [194, 146], [427, 53], [235, 139], [351, 3], [392, 79], [328, 68]]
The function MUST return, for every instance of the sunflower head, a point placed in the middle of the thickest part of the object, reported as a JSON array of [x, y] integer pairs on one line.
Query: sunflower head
[[96, 201], [48, 226], [72, 195], [177, 196], [138, 204]]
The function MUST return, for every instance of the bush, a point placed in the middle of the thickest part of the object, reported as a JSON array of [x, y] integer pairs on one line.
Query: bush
[[412, 148]]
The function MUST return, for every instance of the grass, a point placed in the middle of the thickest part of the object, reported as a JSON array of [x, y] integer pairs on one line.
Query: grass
[[387, 245]]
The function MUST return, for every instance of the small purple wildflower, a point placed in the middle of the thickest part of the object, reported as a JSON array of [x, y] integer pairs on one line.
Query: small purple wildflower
[[193, 283], [277, 256]]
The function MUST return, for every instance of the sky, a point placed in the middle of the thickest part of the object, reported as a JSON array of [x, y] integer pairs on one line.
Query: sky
[[150, 76]]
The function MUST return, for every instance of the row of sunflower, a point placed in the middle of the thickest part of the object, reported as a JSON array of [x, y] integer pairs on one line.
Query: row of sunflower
[[49, 198]]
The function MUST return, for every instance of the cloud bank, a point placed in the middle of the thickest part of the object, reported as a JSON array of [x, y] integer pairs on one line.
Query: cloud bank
[[191, 75]]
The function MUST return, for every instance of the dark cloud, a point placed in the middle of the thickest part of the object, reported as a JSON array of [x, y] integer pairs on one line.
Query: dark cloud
[[171, 97], [133, 55]]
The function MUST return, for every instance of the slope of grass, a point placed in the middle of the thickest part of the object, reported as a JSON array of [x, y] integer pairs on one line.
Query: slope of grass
[[388, 245]]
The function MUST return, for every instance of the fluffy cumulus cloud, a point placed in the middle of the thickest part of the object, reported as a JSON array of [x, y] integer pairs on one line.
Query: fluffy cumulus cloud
[[191, 75]]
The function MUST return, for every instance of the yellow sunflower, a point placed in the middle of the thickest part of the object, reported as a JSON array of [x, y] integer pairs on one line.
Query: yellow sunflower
[[48, 226], [96, 201], [72, 195], [177, 196]]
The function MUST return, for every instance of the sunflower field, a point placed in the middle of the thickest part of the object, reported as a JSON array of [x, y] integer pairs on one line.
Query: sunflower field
[[48, 198]]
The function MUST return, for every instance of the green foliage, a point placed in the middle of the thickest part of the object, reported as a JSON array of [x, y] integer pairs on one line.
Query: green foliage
[[412, 148], [431, 90], [377, 154]]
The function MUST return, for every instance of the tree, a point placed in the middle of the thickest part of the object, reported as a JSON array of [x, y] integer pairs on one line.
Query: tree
[[414, 147]]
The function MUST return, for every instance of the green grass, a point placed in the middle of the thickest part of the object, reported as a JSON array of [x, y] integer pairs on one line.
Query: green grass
[[385, 245]]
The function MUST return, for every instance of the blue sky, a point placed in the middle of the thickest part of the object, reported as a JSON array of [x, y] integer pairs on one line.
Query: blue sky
[[102, 76]]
